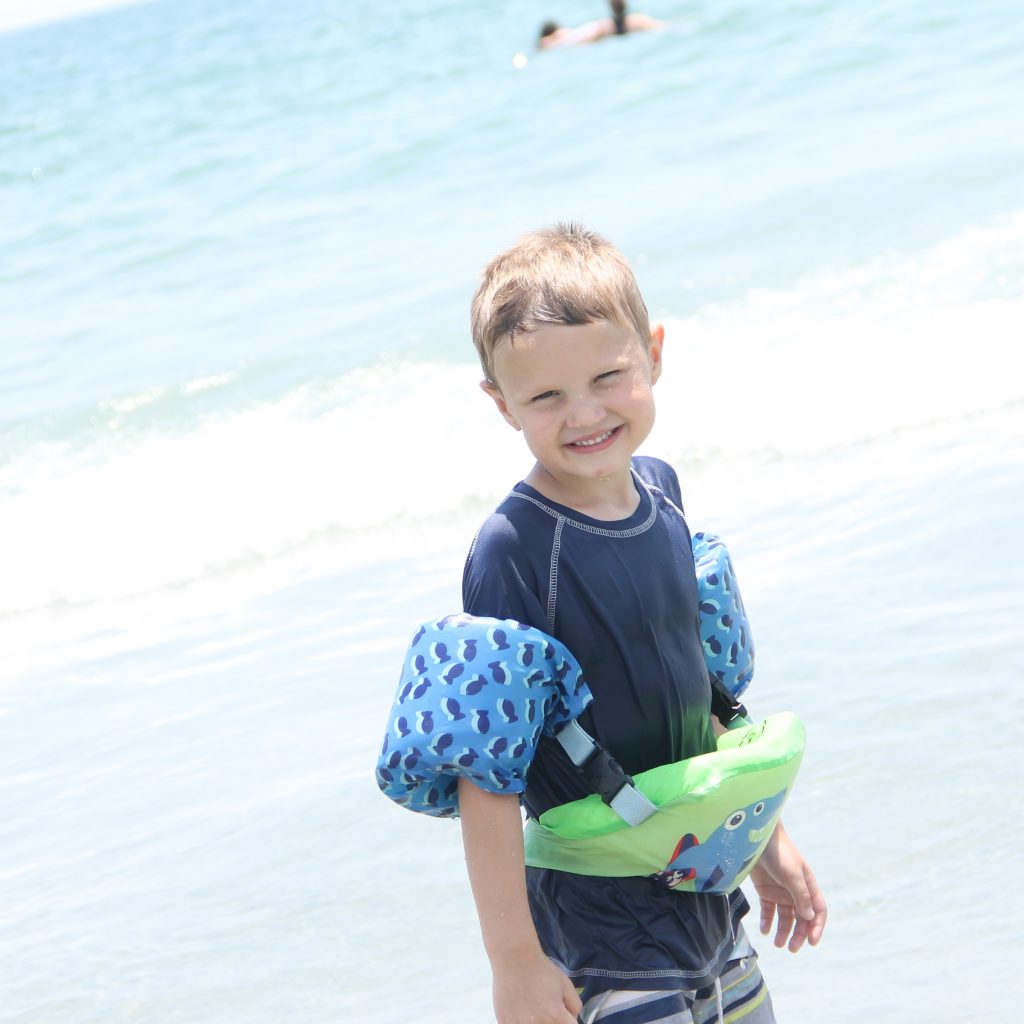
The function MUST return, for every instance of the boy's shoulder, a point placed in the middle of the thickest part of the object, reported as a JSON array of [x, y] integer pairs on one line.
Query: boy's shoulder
[[506, 565], [514, 526]]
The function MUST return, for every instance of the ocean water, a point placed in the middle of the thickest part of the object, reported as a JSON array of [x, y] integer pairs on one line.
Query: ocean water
[[242, 455]]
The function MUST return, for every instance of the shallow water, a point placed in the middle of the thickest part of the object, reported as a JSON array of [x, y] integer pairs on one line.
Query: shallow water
[[242, 454]]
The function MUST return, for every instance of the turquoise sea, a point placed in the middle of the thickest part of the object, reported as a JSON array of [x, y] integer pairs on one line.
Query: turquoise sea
[[242, 455]]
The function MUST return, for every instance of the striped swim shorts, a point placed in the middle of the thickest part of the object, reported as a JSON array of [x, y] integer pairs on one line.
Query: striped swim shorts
[[739, 994]]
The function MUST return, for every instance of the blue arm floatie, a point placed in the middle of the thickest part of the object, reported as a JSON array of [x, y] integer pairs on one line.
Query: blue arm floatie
[[476, 694], [474, 698], [724, 629]]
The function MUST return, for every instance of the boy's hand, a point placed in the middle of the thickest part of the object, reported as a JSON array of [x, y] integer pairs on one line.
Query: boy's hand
[[787, 888], [533, 991]]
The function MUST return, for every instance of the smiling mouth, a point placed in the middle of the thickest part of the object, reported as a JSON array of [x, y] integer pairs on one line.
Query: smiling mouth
[[594, 442]]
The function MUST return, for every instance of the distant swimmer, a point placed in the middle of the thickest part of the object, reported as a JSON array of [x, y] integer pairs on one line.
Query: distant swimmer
[[554, 36]]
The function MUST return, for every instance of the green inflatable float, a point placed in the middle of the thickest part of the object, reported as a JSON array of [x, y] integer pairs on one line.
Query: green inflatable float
[[716, 813]]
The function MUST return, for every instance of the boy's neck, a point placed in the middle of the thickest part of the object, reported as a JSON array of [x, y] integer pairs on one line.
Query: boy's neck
[[609, 499]]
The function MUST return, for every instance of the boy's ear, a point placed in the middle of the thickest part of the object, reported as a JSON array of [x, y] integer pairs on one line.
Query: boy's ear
[[492, 389], [654, 350]]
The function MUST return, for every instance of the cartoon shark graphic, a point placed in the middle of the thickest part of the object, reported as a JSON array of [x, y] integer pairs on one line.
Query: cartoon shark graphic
[[727, 851]]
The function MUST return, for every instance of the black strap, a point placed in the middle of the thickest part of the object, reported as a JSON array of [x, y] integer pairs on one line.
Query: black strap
[[604, 774], [724, 706]]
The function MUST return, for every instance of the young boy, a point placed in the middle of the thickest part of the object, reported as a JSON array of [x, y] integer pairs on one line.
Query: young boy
[[592, 548]]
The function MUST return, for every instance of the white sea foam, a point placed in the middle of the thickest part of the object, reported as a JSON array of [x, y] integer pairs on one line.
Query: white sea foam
[[848, 355], [841, 358], [406, 445]]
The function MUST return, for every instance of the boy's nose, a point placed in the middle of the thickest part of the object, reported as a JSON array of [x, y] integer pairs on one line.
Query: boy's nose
[[584, 411]]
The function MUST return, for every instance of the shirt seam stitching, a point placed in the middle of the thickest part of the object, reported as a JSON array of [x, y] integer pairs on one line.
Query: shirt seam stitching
[[556, 546], [633, 531]]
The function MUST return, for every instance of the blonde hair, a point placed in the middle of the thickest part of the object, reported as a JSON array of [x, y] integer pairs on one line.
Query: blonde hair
[[563, 274]]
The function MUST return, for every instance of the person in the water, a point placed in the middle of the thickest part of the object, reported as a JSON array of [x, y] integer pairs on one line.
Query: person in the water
[[554, 36]]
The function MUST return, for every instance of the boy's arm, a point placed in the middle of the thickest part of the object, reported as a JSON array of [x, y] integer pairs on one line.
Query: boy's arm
[[787, 887], [527, 986]]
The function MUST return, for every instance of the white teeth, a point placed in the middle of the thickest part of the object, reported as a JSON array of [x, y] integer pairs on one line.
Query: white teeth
[[596, 440]]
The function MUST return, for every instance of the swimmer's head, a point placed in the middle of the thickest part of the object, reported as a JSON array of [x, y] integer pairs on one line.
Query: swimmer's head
[[549, 28]]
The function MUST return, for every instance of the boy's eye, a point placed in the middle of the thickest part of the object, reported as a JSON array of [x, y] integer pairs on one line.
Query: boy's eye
[[610, 374], [542, 396]]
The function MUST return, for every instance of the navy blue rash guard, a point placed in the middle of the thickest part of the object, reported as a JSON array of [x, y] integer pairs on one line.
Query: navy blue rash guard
[[622, 596]]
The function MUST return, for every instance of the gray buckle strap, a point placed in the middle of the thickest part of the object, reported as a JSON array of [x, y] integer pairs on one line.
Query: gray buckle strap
[[632, 806], [577, 743], [605, 775]]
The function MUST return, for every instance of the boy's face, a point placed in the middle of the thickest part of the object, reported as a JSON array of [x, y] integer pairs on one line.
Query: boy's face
[[582, 395]]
